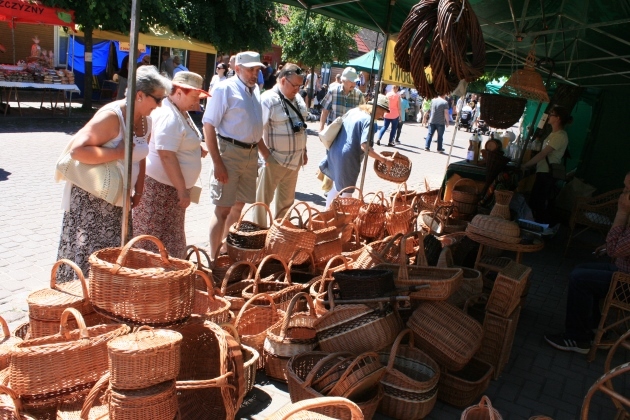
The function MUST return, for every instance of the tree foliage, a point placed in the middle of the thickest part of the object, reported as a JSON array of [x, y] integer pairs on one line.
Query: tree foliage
[[314, 41]]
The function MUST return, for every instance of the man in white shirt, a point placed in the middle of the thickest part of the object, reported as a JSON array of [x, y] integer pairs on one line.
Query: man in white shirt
[[232, 127], [284, 144]]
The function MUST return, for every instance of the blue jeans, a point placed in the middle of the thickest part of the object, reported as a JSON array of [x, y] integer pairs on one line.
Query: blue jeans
[[400, 124], [392, 133], [440, 133], [588, 283]]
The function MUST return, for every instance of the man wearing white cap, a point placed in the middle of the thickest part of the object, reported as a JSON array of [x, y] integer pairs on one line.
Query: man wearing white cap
[[232, 127], [342, 98]]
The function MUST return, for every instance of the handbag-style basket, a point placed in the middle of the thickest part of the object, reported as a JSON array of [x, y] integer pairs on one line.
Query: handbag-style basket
[[371, 218], [348, 205], [301, 410], [246, 240], [398, 172], [58, 366], [285, 239], [45, 306], [410, 382], [144, 358], [398, 219], [140, 287]]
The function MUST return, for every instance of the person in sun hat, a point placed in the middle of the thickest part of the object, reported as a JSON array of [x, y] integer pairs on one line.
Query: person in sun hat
[[232, 127], [172, 168], [342, 164]]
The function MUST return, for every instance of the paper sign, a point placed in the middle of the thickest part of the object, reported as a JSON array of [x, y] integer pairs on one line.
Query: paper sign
[[124, 46], [392, 74], [88, 57]]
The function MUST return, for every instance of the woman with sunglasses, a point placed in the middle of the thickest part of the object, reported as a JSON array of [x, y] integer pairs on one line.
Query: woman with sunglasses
[[222, 69], [90, 223], [553, 150], [173, 167]]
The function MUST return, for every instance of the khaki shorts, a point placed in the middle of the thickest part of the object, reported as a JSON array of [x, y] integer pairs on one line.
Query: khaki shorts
[[242, 168]]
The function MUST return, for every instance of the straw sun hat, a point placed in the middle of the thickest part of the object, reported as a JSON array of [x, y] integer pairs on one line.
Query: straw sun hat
[[190, 80]]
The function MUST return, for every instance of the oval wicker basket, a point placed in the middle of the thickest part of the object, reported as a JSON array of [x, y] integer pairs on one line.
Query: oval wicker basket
[[495, 228], [140, 287], [399, 170], [154, 402]]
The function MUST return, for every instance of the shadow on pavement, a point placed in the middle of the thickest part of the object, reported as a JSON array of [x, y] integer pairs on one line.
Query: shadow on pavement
[[310, 198], [4, 175]]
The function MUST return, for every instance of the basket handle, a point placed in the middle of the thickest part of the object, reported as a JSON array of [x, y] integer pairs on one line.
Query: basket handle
[[258, 203], [228, 274], [5, 327], [486, 404], [231, 330], [292, 208], [77, 270], [351, 188], [209, 285], [120, 261], [289, 313], [144, 328], [311, 375], [328, 268], [192, 249], [355, 362], [331, 300], [65, 331], [315, 213], [17, 402], [287, 273], [380, 195], [250, 302], [91, 396], [218, 382], [394, 351], [421, 258], [355, 411], [391, 242]]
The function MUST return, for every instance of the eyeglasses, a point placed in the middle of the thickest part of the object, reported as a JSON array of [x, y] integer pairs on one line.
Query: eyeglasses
[[157, 100], [553, 115], [292, 84]]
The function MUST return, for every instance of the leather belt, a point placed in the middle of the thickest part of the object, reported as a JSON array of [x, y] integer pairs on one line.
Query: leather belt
[[238, 143]]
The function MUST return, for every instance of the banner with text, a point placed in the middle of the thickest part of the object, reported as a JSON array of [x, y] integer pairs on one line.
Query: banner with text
[[392, 74]]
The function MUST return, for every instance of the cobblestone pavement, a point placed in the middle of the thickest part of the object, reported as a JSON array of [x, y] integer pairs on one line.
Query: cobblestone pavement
[[537, 379]]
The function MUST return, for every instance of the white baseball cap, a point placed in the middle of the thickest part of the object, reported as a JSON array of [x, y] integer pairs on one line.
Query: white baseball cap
[[248, 59], [349, 73]]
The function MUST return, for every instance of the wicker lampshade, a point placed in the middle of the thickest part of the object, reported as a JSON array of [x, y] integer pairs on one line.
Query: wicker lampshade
[[526, 83]]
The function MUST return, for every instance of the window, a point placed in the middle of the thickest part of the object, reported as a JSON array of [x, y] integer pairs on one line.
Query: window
[[62, 40]]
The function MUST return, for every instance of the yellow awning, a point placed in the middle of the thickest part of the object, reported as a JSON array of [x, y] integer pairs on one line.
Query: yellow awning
[[160, 37]]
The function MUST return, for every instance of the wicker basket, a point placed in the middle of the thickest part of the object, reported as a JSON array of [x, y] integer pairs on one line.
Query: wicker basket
[[328, 375], [280, 292], [250, 359], [93, 407], [371, 218], [410, 382], [284, 238], [495, 228], [58, 366], [11, 406], [356, 328], [398, 172], [45, 306], [144, 358], [318, 287], [482, 411], [200, 282], [508, 288], [386, 250], [399, 218], [155, 402], [236, 279], [140, 287], [246, 240], [498, 336], [430, 200], [253, 321], [299, 410], [439, 222], [462, 388], [7, 343], [207, 304], [348, 205], [211, 380], [472, 284], [501, 206], [502, 111], [363, 374], [305, 368], [445, 333], [364, 284], [465, 196]]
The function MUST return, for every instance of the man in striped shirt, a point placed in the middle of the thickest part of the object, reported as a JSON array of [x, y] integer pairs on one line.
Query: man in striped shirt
[[283, 148]]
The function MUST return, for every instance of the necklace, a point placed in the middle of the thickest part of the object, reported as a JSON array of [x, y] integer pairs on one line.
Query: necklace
[[187, 118], [144, 128]]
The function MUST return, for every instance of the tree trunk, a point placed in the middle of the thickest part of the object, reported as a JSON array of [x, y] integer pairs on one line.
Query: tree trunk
[[87, 93]]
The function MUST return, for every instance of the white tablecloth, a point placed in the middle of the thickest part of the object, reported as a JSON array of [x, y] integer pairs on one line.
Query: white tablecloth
[[70, 88]]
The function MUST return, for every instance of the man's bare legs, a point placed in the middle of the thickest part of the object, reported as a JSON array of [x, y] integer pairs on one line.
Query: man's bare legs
[[220, 222]]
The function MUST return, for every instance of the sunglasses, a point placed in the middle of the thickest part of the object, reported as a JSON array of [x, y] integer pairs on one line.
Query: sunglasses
[[157, 100], [296, 71]]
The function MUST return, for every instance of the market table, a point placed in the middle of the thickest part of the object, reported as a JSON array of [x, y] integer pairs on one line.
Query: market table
[[46, 88], [536, 245]]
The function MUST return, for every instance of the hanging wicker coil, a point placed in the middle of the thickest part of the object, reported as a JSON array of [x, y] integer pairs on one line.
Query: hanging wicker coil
[[501, 111], [526, 83]]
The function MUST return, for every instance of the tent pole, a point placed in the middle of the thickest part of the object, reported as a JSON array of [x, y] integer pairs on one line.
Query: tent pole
[[13, 38], [131, 96], [371, 85]]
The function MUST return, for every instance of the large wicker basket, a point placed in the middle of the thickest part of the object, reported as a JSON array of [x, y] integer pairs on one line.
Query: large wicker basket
[[140, 287], [58, 366]]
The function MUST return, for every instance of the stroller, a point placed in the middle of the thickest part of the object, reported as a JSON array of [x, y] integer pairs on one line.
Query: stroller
[[483, 128], [465, 121]]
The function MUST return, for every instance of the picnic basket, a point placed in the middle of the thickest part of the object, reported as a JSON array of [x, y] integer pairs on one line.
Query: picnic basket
[[398, 172], [356, 328], [139, 287], [8, 341], [241, 275], [447, 334], [144, 358], [214, 308], [45, 306], [250, 359], [246, 240], [483, 410], [280, 291], [300, 410], [211, 380], [410, 382], [348, 205], [303, 369], [285, 238], [371, 218], [80, 359]]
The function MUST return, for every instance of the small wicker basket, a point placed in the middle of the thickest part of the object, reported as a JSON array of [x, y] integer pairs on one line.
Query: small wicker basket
[[348, 205], [246, 240], [398, 172], [463, 387]]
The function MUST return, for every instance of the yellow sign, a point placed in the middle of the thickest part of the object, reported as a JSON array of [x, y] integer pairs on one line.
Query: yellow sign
[[124, 46], [392, 74]]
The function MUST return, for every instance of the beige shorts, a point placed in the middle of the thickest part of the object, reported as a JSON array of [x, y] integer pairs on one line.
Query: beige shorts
[[242, 168]]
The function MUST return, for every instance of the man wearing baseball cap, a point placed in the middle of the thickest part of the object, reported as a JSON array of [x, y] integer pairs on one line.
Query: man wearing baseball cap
[[232, 127]]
